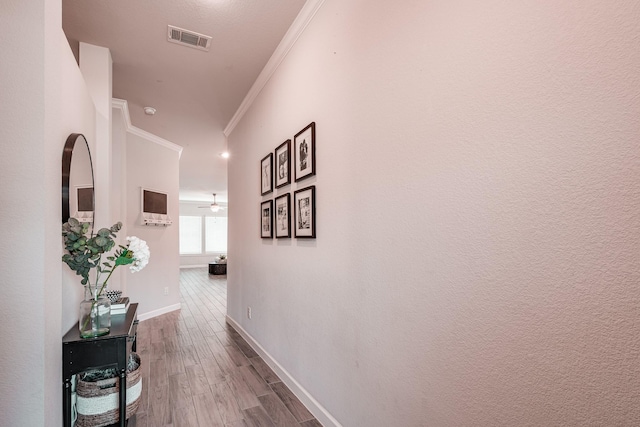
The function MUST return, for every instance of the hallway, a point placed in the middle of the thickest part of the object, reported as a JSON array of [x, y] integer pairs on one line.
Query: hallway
[[199, 372]]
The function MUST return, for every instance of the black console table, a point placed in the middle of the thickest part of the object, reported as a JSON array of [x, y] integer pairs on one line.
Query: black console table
[[111, 350]]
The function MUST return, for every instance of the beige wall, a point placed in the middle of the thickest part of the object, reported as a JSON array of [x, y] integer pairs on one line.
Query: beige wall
[[478, 192]]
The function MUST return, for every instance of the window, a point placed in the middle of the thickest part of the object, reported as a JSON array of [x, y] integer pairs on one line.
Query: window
[[215, 234], [190, 235], [202, 232]]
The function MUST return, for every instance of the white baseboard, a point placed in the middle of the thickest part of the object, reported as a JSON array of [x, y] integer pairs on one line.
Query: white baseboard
[[194, 266], [159, 312], [318, 411]]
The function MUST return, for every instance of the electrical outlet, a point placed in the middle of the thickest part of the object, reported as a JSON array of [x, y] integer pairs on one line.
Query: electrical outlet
[[166, 290], [249, 312]]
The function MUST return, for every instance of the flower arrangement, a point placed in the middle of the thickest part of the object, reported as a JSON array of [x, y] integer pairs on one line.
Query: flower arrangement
[[85, 253]]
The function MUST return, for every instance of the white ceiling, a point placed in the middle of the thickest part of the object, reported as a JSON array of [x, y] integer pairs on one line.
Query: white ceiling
[[195, 93]]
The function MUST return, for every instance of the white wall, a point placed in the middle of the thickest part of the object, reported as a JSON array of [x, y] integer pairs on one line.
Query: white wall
[[44, 100], [153, 167], [478, 199]]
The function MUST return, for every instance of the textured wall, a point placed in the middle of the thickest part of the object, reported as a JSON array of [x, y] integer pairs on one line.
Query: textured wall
[[23, 118], [44, 100], [478, 215]]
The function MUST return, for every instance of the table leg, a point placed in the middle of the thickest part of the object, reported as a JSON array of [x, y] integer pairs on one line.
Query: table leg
[[123, 397], [135, 336], [66, 403]]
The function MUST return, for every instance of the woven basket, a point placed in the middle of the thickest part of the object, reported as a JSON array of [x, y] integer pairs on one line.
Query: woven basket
[[98, 401]]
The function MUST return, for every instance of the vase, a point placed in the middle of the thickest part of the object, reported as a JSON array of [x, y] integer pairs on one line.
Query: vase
[[95, 314]]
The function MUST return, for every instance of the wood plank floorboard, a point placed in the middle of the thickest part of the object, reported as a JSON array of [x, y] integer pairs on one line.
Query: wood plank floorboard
[[197, 371], [264, 370], [206, 410], [254, 380], [276, 410], [257, 417], [291, 402]]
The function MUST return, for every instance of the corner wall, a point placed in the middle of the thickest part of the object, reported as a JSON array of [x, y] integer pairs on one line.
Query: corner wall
[[478, 199]]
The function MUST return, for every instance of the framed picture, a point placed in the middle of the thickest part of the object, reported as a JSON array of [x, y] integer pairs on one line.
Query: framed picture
[[283, 165], [266, 174], [283, 216], [266, 219], [304, 146], [304, 206]]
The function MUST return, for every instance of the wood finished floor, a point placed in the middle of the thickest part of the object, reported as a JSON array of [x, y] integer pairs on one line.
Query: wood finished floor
[[197, 371]]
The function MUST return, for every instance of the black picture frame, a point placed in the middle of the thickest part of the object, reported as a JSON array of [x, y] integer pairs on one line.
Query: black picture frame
[[304, 207], [266, 174], [282, 171], [282, 216], [266, 219], [304, 147]]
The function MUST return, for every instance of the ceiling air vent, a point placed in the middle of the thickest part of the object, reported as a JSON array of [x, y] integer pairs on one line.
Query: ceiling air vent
[[188, 38]]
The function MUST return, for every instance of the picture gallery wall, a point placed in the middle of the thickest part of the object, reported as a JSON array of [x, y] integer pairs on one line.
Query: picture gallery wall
[[296, 208]]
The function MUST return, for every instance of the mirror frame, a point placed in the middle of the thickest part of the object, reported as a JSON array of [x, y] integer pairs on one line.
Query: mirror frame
[[67, 154]]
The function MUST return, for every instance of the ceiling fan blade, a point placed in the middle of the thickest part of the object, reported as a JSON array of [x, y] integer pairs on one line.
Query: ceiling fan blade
[[220, 208], [215, 207]]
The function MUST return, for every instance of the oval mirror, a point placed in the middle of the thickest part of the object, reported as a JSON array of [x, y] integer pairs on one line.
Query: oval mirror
[[77, 180]]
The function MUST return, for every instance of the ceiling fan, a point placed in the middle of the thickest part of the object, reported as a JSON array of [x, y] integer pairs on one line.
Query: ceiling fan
[[213, 206]]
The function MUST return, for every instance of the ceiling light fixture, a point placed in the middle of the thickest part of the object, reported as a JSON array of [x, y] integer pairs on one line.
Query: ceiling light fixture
[[224, 155], [214, 206], [149, 111]]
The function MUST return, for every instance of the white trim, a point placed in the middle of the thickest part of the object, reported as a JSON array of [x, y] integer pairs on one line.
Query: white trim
[[298, 26], [159, 312], [122, 105], [319, 411], [194, 266]]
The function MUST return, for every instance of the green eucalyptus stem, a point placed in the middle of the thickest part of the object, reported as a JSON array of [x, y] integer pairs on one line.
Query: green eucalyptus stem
[[104, 284], [94, 300]]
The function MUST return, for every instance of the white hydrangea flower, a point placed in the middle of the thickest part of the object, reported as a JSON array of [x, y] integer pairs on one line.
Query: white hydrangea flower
[[141, 253]]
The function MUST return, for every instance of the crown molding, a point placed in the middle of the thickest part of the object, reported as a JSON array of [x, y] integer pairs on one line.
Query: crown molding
[[123, 106], [298, 26]]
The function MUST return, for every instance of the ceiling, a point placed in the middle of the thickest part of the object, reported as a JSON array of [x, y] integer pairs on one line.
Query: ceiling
[[195, 93]]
